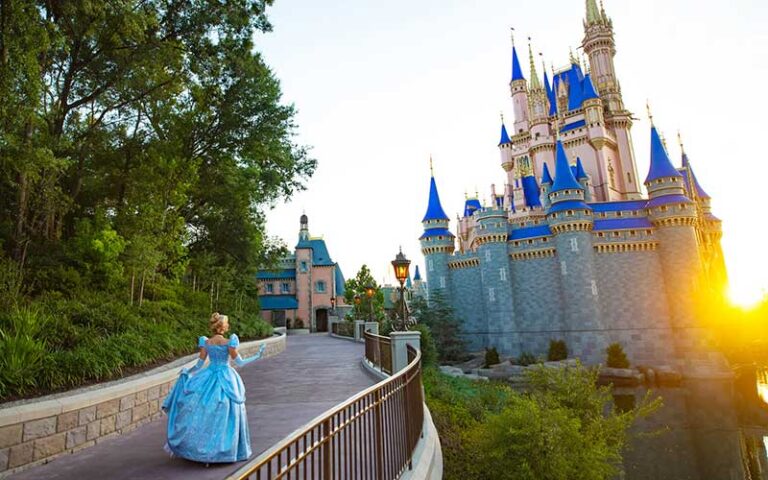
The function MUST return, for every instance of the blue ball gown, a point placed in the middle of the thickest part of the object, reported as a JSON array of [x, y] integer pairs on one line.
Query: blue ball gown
[[207, 421]]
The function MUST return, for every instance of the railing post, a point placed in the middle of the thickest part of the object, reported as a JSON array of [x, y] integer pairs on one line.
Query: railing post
[[379, 437], [400, 342], [327, 441], [359, 328]]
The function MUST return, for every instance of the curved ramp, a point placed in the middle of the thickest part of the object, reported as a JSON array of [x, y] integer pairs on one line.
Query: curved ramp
[[283, 392]]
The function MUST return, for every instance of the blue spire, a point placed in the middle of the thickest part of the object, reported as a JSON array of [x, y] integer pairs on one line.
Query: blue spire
[[699, 191], [434, 209], [417, 275], [531, 191], [574, 88], [564, 179], [517, 72], [661, 167], [589, 89], [580, 173], [408, 283], [504, 136], [545, 176], [547, 86]]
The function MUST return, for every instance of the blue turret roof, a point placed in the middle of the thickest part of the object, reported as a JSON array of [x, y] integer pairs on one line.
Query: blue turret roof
[[661, 167], [550, 95], [408, 283], [699, 191], [545, 176], [531, 191], [580, 173], [470, 206], [574, 88], [517, 72], [564, 179], [340, 282], [589, 89], [434, 209], [417, 275], [504, 136]]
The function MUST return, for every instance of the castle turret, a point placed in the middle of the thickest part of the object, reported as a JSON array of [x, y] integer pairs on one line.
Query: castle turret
[[519, 88], [437, 244], [505, 148], [583, 179], [546, 186], [570, 220], [600, 47], [674, 216]]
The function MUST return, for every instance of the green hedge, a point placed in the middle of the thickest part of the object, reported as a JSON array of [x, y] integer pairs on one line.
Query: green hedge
[[55, 343]]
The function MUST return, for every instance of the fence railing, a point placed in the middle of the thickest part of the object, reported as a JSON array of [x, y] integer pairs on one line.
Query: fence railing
[[343, 329], [370, 436], [378, 351]]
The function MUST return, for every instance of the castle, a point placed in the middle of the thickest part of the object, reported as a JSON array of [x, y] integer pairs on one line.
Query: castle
[[305, 289], [571, 250]]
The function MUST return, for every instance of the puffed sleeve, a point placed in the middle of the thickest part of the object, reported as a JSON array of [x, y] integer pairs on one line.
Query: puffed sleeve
[[201, 341], [234, 342]]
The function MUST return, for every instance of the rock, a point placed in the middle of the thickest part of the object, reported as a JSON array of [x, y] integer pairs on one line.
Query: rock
[[620, 377], [452, 371], [472, 376], [667, 377], [471, 364]]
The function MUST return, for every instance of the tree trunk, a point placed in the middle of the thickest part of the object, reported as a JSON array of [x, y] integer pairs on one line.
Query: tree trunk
[[211, 303], [194, 283], [141, 289], [133, 284]]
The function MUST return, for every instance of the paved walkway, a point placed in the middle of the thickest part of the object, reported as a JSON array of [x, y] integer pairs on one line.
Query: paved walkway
[[282, 393]]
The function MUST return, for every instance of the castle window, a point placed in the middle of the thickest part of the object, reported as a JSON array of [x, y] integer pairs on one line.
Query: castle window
[[563, 268], [632, 232], [545, 239], [491, 295], [320, 286], [594, 288], [629, 177], [601, 234], [431, 265], [503, 274], [663, 208], [616, 234], [574, 244], [303, 266], [647, 232], [269, 288], [618, 214], [569, 213], [285, 288], [530, 242], [487, 255], [442, 282]]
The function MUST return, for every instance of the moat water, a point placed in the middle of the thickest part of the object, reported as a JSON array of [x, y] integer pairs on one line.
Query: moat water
[[707, 430]]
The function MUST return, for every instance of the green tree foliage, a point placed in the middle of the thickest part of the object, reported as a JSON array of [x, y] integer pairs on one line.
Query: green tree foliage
[[616, 356], [491, 357], [438, 315], [429, 354], [563, 427], [558, 350], [367, 308]]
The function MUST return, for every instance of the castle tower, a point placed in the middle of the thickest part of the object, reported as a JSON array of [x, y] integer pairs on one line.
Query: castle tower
[[437, 244], [674, 215], [541, 147], [519, 88], [304, 272], [546, 186], [583, 179], [570, 220], [600, 47]]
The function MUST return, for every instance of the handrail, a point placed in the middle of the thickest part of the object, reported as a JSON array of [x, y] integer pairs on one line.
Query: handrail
[[372, 435]]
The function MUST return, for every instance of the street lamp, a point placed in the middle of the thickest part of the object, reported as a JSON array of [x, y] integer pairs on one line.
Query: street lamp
[[401, 264], [369, 291], [333, 305], [357, 305]]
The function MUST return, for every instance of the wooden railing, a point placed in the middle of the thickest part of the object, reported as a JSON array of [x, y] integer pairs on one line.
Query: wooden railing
[[370, 436]]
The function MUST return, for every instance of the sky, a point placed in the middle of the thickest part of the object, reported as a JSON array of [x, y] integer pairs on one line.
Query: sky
[[381, 86]]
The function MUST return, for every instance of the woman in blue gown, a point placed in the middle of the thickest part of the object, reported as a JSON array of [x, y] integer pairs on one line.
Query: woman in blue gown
[[207, 421]]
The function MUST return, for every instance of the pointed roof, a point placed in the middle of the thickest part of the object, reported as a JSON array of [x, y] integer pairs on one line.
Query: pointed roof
[[699, 191], [417, 275], [564, 179], [593, 14], [531, 191], [504, 135], [589, 88], [471, 205], [535, 82], [434, 209], [661, 167], [408, 283], [580, 173], [517, 72], [545, 176]]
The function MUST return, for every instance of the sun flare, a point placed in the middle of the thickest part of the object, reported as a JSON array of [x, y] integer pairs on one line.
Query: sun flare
[[746, 297]]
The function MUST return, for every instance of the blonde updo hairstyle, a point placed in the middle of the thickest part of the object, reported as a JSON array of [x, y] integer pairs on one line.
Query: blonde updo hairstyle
[[219, 324]]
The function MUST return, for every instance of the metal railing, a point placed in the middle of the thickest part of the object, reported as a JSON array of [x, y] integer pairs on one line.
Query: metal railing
[[378, 351], [343, 329], [370, 436]]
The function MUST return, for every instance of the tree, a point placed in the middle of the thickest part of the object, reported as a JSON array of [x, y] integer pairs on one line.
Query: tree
[[373, 308], [438, 315]]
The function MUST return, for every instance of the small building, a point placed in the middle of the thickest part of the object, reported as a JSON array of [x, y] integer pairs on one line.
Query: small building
[[305, 289]]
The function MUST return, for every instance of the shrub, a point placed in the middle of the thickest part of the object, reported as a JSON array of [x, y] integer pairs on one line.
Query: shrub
[[491, 357], [428, 349], [527, 358], [298, 323], [557, 351], [616, 356]]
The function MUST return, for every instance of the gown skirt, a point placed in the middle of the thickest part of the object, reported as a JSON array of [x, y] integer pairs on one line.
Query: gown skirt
[[207, 421]]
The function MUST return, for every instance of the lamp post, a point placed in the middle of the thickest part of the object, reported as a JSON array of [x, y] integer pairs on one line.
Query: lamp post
[[333, 306], [357, 306], [401, 265], [369, 291]]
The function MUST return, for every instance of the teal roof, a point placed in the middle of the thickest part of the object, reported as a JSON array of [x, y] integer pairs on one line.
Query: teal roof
[[286, 273], [517, 72], [661, 166], [340, 282], [545, 176], [564, 179], [278, 302], [471, 205], [434, 209], [320, 255], [417, 275], [580, 173], [436, 232], [699, 191], [504, 136]]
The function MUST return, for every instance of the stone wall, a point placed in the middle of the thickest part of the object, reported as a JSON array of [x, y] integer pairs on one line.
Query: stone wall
[[36, 431]]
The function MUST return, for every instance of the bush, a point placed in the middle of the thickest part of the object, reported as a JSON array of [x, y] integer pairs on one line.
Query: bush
[[428, 349], [557, 351], [491, 357], [616, 356], [527, 358]]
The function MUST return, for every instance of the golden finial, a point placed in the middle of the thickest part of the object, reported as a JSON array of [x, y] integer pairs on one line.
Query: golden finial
[[572, 57], [477, 192], [466, 195], [501, 114], [512, 34], [431, 167], [680, 141], [648, 108]]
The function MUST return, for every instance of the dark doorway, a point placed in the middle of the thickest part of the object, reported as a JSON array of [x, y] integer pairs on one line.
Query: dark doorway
[[278, 318], [321, 320]]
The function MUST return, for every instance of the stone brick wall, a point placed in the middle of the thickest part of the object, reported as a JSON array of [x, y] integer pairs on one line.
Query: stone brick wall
[[39, 430]]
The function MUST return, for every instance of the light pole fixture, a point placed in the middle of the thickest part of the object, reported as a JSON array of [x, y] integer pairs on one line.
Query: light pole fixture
[[369, 291], [357, 305], [333, 305], [401, 266]]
